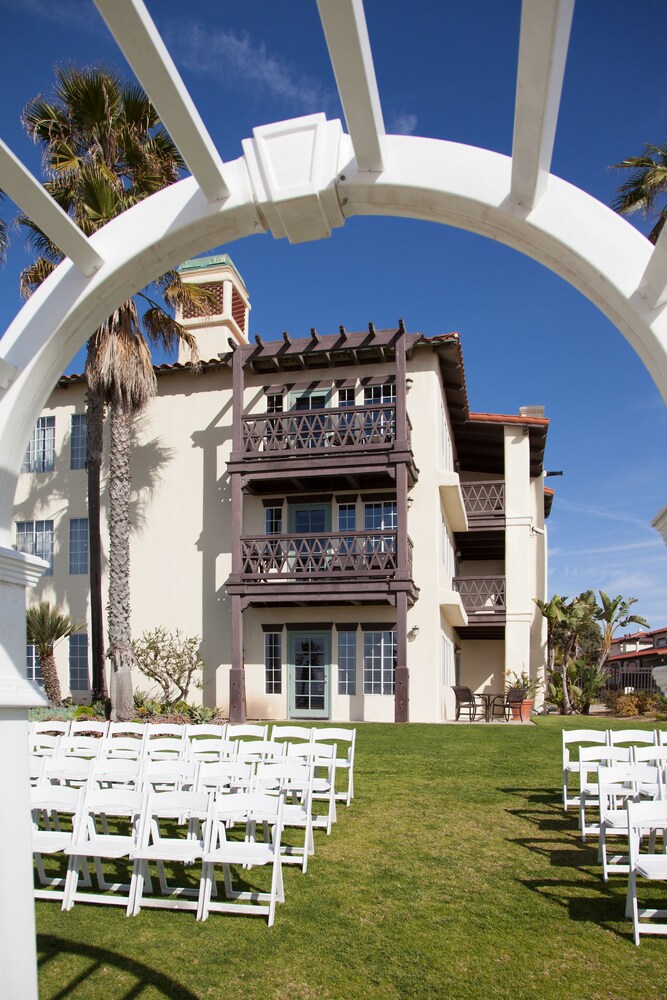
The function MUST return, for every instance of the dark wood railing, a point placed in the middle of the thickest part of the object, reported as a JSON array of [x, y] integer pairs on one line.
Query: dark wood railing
[[326, 554], [345, 427], [484, 503], [483, 597]]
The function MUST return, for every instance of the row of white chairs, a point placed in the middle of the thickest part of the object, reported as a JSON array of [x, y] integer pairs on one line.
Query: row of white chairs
[[148, 830], [575, 739], [189, 742], [624, 775]]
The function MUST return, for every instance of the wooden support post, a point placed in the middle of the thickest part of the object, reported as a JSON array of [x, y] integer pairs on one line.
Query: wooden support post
[[401, 681], [237, 704]]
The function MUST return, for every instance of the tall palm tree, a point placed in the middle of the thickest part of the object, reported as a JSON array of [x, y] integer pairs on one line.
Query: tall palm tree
[[612, 615], [105, 149], [45, 627], [645, 187]]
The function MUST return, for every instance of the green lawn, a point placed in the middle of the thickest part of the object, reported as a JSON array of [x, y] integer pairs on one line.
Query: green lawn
[[453, 874]]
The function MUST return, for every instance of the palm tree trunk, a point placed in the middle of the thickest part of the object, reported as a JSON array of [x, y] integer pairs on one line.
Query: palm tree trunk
[[120, 635], [47, 664], [95, 422]]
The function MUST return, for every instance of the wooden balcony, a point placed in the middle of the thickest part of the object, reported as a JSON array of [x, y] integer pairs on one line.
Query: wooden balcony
[[483, 598], [485, 504], [352, 567], [358, 442]]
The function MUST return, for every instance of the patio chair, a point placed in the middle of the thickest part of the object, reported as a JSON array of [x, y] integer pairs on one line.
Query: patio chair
[[468, 702], [249, 808], [577, 738], [643, 818], [345, 763], [116, 844], [181, 844]]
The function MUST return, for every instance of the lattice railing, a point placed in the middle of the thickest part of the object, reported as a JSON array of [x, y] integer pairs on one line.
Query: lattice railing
[[346, 427], [352, 553], [484, 502], [482, 595]]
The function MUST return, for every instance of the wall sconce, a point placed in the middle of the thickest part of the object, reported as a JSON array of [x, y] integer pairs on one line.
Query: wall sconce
[[411, 500], [409, 382], [414, 632]]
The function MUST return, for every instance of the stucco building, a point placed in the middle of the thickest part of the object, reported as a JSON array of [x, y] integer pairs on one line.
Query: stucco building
[[345, 535]]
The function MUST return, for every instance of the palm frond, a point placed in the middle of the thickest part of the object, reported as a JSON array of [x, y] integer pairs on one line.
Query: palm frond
[[45, 625], [33, 275]]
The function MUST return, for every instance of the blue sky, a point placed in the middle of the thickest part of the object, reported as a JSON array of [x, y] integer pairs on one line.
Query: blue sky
[[446, 71]]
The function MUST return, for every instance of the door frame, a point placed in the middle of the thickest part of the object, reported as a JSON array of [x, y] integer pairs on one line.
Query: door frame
[[314, 633]]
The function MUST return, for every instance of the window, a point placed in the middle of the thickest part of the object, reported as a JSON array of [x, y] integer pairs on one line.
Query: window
[[347, 517], [346, 396], [273, 520], [36, 538], [347, 662], [375, 395], [448, 668], [274, 403], [380, 425], [41, 450], [380, 515], [78, 446], [78, 545], [379, 662], [78, 662], [273, 673], [33, 669]]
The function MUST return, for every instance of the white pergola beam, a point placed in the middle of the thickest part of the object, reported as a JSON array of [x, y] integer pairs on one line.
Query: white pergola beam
[[653, 286], [25, 191], [132, 27], [545, 34], [346, 32]]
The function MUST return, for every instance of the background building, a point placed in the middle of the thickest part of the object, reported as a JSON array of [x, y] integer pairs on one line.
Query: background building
[[347, 538]]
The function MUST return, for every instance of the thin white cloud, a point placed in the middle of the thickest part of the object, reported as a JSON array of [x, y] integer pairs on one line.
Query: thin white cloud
[[404, 124], [238, 61], [603, 513], [65, 12], [656, 545]]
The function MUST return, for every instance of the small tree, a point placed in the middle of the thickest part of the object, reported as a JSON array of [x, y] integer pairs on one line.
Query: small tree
[[171, 660], [45, 627]]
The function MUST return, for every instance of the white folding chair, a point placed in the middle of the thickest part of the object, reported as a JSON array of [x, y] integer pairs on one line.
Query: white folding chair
[[346, 764], [646, 818], [627, 737], [50, 804], [127, 729], [164, 748], [122, 748], [170, 775], [617, 784], [88, 727], [115, 843], [196, 729], [589, 760], [225, 776], [183, 844], [577, 738], [49, 727], [209, 748], [248, 730], [116, 772], [253, 751], [249, 808], [294, 779], [293, 734], [44, 745], [323, 758], [73, 771], [80, 746]]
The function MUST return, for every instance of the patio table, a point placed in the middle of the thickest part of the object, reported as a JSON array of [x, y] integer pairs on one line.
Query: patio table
[[489, 702]]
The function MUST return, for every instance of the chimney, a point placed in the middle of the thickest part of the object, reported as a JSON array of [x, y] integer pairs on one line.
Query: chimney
[[229, 316], [531, 411]]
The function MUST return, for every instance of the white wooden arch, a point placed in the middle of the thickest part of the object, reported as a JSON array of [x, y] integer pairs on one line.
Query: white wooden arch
[[298, 179]]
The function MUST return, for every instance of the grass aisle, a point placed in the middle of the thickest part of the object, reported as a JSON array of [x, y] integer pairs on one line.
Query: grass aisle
[[454, 874]]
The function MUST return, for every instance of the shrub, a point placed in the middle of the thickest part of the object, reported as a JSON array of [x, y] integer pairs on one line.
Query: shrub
[[63, 714], [627, 706], [84, 712], [203, 714], [171, 660]]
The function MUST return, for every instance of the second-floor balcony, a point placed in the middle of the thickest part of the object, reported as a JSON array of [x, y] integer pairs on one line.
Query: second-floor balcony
[[485, 504], [341, 429], [483, 598], [360, 555]]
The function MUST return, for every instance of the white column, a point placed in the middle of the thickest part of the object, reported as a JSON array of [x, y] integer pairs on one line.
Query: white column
[[227, 299], [519, 572], [18, 956]]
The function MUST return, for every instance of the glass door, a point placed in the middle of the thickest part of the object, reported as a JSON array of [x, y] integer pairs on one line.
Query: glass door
[[309, 674]]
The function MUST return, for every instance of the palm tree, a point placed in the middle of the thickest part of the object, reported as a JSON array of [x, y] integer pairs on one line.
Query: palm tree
[[45, 627], [612, 615], [105, 149], [645, 187]]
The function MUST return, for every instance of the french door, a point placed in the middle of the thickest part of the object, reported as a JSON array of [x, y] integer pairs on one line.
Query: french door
[[309, 675]]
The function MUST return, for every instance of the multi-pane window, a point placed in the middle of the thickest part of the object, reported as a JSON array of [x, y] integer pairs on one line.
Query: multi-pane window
[[347, 662], [273, 673], [78, 446], [36, 538], [274, 403], [347, 517], [41, 450], [78, 545], [380, 515], [33, 669], [78, 662], [346, 396], [273, 520], [379, 662], [376, 395]]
